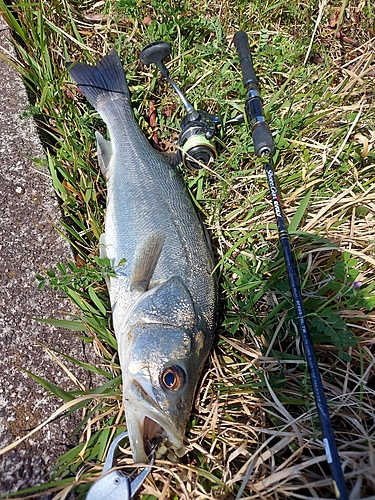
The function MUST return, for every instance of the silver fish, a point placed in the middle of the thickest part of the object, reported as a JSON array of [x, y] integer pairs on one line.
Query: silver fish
[[163, 297]]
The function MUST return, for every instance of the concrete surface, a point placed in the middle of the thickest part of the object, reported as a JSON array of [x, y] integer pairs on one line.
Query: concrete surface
[[28, 243]]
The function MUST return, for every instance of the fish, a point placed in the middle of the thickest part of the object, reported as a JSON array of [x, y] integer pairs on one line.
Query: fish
[[164, 292]]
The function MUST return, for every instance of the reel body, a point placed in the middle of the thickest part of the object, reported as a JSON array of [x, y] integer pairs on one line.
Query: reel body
[[197, 140]]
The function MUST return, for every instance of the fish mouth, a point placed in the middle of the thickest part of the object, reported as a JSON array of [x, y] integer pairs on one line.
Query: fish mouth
[[148, 425], [152, 431]]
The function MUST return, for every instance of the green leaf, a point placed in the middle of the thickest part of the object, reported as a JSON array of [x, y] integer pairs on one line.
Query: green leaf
[[76, 326], [87, 366], [103, 441], [52, 388], [340, 271], [61, 267], [99, 304], [294, 223]]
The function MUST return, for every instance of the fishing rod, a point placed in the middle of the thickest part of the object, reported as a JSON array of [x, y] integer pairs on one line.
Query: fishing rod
[[264, 147]]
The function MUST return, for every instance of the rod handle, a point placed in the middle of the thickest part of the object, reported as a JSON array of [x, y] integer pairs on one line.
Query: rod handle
[[241, 43], [260, 131], [262, 140]]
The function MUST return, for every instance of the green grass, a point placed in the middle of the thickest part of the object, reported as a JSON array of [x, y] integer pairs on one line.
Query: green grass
[[254, 432]]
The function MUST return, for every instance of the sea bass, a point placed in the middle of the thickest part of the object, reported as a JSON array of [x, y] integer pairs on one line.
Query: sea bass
[[163, 297]]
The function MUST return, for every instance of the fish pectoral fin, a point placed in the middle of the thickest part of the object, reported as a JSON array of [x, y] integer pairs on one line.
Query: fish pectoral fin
[[104, 153], [174, 159], [169, 304], [146, 258]]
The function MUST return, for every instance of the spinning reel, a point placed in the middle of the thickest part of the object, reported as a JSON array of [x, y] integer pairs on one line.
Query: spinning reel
[[198, 128]]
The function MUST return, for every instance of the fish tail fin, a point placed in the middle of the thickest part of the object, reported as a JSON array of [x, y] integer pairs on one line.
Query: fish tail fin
[[102, 81]]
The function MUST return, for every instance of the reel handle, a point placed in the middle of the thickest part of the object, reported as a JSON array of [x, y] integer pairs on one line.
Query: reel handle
[[154, 53], [260, 131]]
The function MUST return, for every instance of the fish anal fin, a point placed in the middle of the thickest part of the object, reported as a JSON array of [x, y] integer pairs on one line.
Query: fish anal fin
[[104, 153], [146, 259]]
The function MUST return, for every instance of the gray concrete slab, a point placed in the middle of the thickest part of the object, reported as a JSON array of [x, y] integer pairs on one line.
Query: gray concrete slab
[[28, 243]]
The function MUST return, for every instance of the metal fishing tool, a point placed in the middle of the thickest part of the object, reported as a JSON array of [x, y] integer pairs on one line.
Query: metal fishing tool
[[116, 485], [264, 147], [197, 140]]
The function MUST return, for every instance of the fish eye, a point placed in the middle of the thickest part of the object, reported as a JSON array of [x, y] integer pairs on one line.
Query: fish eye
[[173, 378]]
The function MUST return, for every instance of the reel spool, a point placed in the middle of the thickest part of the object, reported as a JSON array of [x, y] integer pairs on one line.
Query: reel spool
[[197, 141], [198, 129]]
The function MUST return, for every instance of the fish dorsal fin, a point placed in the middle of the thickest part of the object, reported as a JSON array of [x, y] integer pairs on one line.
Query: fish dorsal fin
[[104, 153], [169, 304], [146, 258]]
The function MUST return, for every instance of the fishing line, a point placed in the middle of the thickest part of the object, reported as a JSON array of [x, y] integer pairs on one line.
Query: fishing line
[[264, 148]]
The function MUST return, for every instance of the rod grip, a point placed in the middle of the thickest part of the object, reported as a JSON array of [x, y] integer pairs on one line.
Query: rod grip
[[262, 140], [241, 43]]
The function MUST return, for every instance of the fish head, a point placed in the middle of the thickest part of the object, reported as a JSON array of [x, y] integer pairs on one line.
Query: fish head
[[159, 381]]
